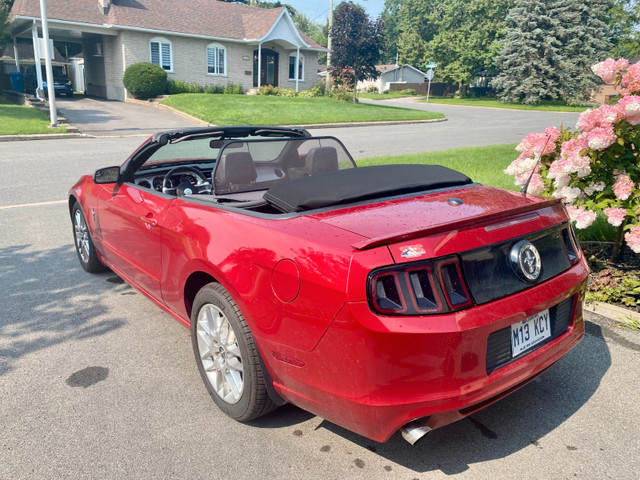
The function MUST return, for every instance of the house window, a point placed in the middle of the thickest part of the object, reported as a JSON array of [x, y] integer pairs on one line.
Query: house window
[[292, 67], [161, 53], [216, 60]]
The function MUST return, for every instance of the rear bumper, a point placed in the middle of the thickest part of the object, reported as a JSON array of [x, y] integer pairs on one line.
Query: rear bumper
[[374, 374]]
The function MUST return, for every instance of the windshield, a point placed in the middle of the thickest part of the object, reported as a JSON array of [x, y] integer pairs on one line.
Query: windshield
[[249, 165]]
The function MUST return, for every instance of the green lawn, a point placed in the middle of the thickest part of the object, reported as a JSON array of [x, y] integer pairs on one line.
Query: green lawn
[[272, 110], [482, 164], [21, 120], [551, 106], [485, 165]]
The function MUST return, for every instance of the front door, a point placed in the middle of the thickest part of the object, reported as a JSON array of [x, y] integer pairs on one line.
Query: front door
[[268, 71]]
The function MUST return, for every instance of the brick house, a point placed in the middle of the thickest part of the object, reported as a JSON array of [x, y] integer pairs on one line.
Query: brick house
[[207, 42]]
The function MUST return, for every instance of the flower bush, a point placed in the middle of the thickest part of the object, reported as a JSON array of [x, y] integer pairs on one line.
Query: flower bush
[[595, 168]]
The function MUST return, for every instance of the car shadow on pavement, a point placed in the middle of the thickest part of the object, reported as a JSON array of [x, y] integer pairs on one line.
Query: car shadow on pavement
[[516, 422], [47, 301]]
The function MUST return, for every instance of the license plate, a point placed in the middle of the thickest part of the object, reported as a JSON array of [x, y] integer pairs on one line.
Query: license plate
[[530, 332]]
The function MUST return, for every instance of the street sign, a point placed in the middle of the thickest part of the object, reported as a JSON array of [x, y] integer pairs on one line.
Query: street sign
[[430, 74], [431, 65]]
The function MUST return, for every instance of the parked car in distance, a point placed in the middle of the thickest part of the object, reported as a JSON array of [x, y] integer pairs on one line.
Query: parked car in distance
[[384, 298]]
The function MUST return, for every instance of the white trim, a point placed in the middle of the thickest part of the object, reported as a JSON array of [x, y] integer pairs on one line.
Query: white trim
[[162, 41], [292, 25], [299, 57], [217, 47]]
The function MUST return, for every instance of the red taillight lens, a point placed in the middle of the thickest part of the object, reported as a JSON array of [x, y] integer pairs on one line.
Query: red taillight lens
[[453, 285], [571, 244], [387, 296], [416, 289]]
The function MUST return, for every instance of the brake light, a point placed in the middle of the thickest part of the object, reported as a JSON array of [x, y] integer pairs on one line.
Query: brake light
[[387, 296], [431, 287], [454, 288], [571, 245]]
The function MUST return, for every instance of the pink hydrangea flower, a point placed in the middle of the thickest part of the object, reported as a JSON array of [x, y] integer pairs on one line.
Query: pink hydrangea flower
[[632, 237], [593, 188], [540, 143], [631, 80], [609, 69], [536, 186], [615, 216], [623, 187], [570, 194], [629, 109], [603, 116], [601, 137], [583, 217]]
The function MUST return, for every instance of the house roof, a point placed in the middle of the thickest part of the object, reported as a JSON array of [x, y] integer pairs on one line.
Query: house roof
[[389, 68], [208, 18]]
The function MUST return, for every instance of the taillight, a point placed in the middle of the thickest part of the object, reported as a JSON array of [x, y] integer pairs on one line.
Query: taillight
[[424, 288], [386, 293], [571, 244], [456, 292]]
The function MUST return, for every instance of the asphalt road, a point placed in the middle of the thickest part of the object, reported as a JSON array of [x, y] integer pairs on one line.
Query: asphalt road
[[97, 382]]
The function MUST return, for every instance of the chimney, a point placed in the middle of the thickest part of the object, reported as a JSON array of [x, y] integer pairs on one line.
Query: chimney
[[104, 6]]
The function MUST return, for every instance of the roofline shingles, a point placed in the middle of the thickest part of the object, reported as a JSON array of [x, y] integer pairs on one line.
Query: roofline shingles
[[209, 18]]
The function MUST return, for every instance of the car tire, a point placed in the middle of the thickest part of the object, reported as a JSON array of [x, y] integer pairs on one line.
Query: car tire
[[85, 249], [227, 356]]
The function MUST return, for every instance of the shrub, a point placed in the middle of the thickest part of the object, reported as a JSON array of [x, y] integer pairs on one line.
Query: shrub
[[593, 169], [409, 92], [306, 94], [319, 89], [287, 92], [268, 90], [372, 89], [233, 89], [344, 96], [214, 89], [145, 80]]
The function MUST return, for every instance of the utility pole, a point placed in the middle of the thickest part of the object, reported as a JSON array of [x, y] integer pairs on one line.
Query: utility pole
[[329, 45], [47, 61]]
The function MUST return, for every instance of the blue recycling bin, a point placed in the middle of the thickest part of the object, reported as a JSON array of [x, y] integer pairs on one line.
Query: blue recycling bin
[[17, 81]]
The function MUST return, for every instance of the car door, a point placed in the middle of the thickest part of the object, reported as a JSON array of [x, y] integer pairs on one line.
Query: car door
[[130, 224]]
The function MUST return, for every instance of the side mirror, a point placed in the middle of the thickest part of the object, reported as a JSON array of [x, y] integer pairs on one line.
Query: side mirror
[[106, 175]]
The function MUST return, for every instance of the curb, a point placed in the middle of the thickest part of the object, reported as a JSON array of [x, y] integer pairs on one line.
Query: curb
[[612, 312], [40, 136]]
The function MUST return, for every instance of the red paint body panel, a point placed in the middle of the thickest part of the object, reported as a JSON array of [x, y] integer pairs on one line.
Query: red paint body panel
[[301, 284]]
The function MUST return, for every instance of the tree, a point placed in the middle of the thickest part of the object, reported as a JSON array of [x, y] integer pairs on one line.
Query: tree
[[624, 16], [391, 17], [530, 58], [549, 48], [460, 35], [5, 8], [356, 42], [585, 41]]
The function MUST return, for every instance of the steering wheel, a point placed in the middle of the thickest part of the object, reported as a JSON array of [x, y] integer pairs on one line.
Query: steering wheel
[[201, 185]]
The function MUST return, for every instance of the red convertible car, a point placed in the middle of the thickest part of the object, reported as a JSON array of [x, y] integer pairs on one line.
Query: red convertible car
[[384, 298]]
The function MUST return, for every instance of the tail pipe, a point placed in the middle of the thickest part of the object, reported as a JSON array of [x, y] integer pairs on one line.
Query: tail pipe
[[414, 431]]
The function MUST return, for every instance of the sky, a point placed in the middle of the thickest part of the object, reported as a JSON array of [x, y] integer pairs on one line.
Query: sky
[[317, 10]]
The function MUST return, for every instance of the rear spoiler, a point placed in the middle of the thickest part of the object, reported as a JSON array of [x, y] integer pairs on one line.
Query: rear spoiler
[[445, 227]]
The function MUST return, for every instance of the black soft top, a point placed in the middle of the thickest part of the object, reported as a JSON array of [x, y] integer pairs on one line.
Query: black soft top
[[359, 184]]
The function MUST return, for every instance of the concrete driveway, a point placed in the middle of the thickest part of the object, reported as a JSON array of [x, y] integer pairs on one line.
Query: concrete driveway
[[107, 118]]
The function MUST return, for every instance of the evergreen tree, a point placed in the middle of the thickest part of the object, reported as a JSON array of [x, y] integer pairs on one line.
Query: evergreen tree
[[584, 35], [530, 60]]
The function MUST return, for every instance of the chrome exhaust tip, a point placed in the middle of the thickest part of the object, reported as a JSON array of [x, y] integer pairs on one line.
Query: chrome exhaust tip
[[414, 431]]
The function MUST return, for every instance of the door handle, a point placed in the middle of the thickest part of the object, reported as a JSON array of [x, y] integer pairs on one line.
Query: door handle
[[150, 221]]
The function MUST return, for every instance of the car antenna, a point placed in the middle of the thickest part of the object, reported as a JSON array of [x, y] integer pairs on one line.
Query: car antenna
[[538, 156]]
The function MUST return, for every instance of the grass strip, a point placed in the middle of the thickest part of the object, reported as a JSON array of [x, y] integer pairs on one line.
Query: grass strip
[[22, 120], [272, 110], [482, 164]]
